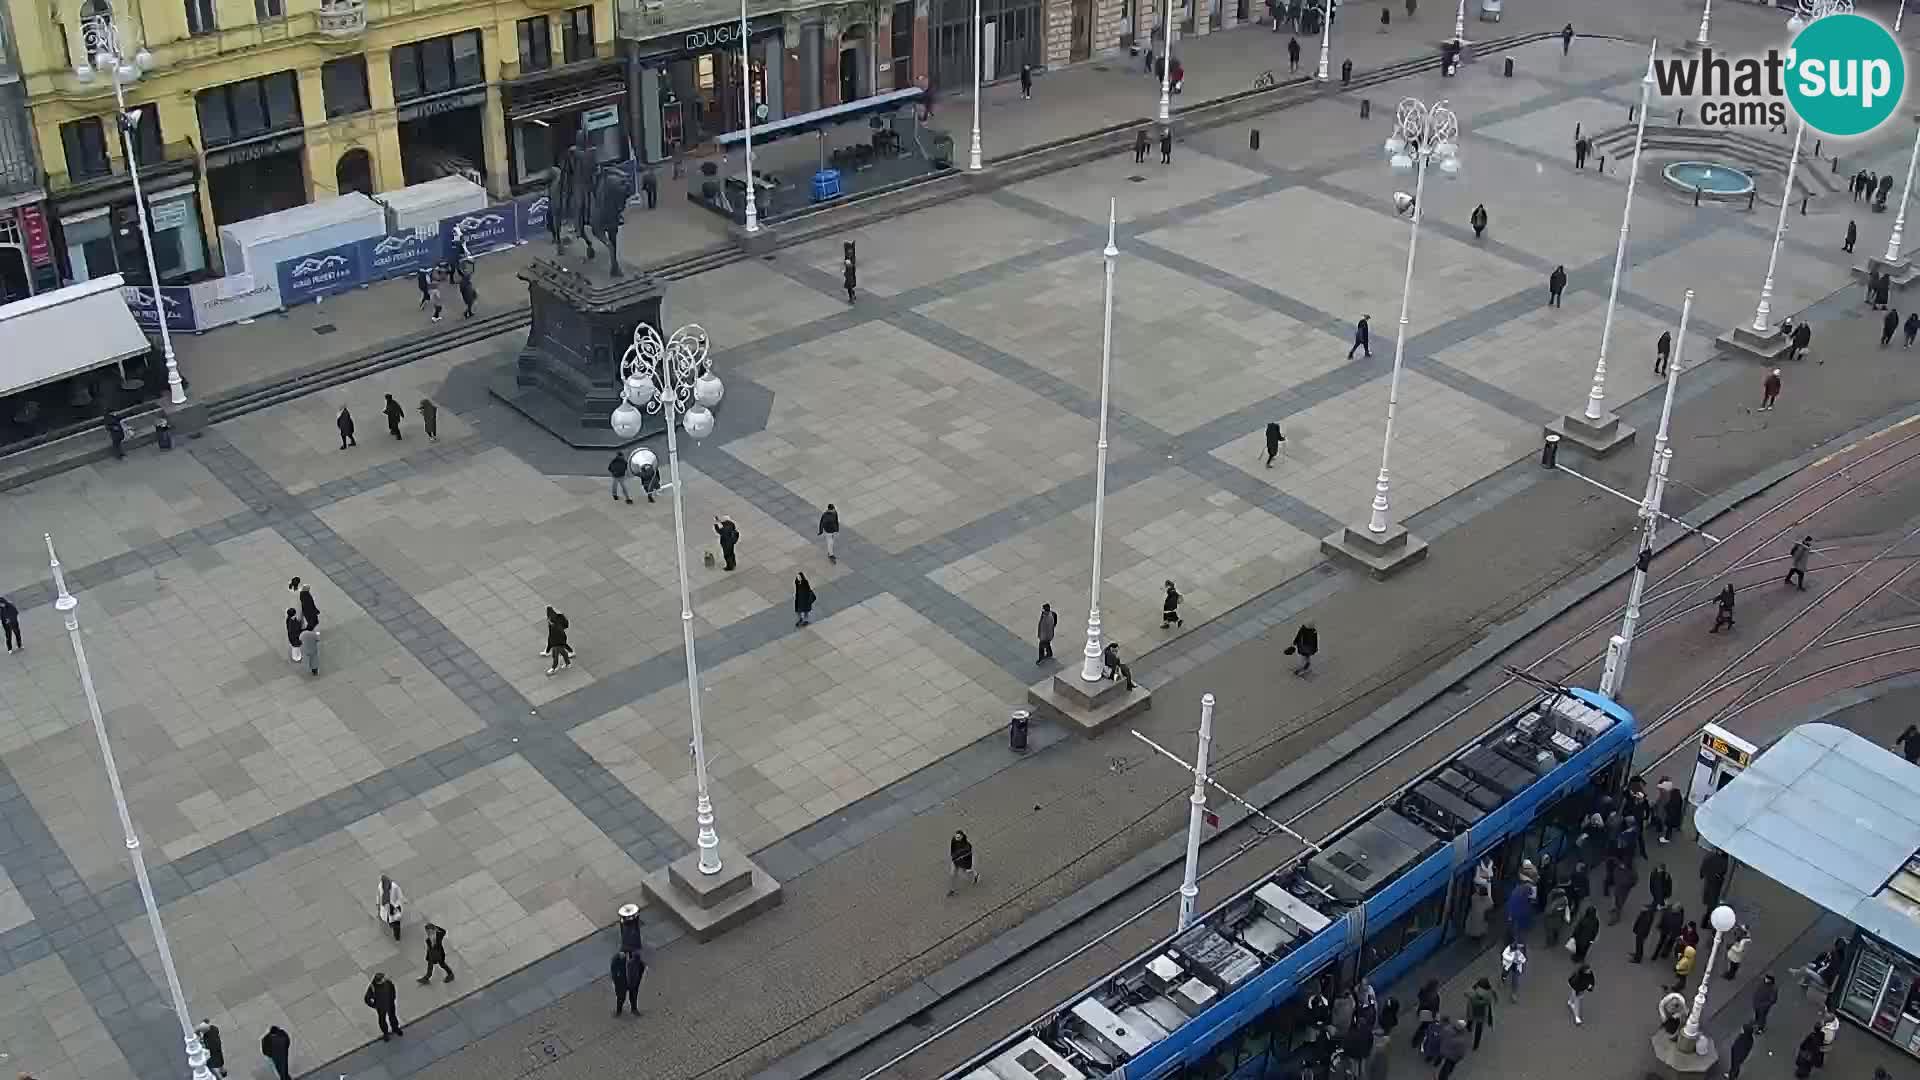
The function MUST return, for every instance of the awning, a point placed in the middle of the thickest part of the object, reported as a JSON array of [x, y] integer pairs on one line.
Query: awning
[[65, 332], [1834, 818], [832, 114]]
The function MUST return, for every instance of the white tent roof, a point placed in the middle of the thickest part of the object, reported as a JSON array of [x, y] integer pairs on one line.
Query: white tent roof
[[65, 332]]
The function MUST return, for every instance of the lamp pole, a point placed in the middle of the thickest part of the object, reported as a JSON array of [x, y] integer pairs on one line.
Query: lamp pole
[[1706, 15], [1722, 920], [1326, 35], [1426, 131], [1596, 397], [69, 609], [974, 163], [1090, 665], [675, 378], [1460, 25], [1808, 11], [1196, 814], [1616, 673], [101, 37], [746, 95], [1166, 68], [1906, 196]]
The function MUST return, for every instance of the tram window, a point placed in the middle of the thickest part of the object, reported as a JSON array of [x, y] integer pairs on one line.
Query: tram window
[[1387, 943]]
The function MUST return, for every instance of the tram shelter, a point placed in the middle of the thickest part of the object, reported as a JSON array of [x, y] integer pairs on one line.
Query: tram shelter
[[1836, 819]]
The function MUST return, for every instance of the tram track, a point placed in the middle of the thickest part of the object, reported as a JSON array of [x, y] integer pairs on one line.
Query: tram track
[[1125, 933]]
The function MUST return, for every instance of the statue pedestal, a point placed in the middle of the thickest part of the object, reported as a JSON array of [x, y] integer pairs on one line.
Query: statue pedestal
[[567, 377]]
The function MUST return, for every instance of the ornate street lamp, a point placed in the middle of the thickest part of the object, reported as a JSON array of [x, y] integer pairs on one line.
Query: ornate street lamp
[[974, 162], [746, 95], [1906, 196], [1326, 38], [1091, 667], [674, 377], [1166, 67], [103, 42]]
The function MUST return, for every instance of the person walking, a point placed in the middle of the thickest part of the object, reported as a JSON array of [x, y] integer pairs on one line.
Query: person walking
[[1626, 877], [310, 648], [1556, 284], [1853, 233], [617, 470], [1478, 219], [1579, 985], [436, 953], [1360, 336], [1453, 1048], [309, 608], [1026, 82], [830, 529], [729, 535], [1807, 1055], [626, 970], [1673, 920], [1662, 352], [423, 277], [558, 651], [393, 412], [650, 187], [1764, 997], [649, 479], [1801, 551], [430, 419], [343, 420], [1672, 806], [117, 435], [382, 998], [1166, 145], [1293, 54], [277, 1045], [1274, 439], [1737, 950], [1908, 741], [1889, 323], [433, 297], [1713, 878], [1426, 1010], [1723, 616], [1306, 642], [1566, 39], [10, 625], [1480, 1001], [1911, 328], [1642, 926], [960, 861], [1140, 145], [1739, 1050], [1802, 337], [1581, 147], [1584, 932], [294, 629], [1048, 620], [849, 277], [467, 295], [802, 600], [1513, 964], [210, 1042], [1170, 608], [1386, 19], [391, 905]]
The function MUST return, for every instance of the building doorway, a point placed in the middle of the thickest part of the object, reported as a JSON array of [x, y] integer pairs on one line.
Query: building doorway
[[354, 172], [1082, 48], [16, 271], [853, 63], [450, 143], [903, 45]]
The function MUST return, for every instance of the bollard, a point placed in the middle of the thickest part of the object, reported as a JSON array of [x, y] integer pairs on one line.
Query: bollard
[[1017, 730], [1253, 138], [1509, 67], [1346, 72], [1366, 108], [1696, 196]]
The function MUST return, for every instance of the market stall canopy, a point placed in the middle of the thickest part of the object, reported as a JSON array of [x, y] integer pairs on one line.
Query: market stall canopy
[[1834, 818], [66, 332], [827, 117]]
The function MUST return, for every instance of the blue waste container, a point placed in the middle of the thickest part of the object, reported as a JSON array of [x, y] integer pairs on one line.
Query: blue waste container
[[826, 185]]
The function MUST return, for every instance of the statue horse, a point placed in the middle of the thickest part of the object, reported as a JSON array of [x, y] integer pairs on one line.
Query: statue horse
[[611, 190]]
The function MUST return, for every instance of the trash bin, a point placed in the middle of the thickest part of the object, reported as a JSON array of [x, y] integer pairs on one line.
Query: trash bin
[[1017, 731], [1509, 67], [629, 927], [1253, 139], [163, 434]]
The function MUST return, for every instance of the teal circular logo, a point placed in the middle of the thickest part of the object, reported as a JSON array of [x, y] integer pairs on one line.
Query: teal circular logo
[[1845, 75]]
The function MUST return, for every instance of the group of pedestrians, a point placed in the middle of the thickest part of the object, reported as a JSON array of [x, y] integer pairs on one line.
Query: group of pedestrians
[[392, 410], [303, 627], [428, 279]]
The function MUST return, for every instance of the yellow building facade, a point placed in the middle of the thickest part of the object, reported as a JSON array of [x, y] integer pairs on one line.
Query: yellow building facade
[[258, 105]]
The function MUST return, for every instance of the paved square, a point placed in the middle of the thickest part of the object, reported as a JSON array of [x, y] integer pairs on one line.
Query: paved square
[[741, 303], [1727, 298], [1137, 190], [1549, 131], [1547, 355], [967, 234]]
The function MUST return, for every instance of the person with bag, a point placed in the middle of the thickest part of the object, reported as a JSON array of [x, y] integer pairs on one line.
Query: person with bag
[[294, 629], [1559, 915], [1513, 963], [1584, 932], [830, 530], [436, 953], [1579, 985], [391, 905], [1306, 642], [627, 969], [960, 860], [1642, 926], [1170, 608], [1427, 1010], [558, 651], [383, 999]]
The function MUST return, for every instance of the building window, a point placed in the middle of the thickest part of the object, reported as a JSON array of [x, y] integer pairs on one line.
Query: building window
[[536, 47], [436, 65], [577, 34], [269, 10], [343, 83], [247, 110], [86, 143], [200, 17], [148, 147]]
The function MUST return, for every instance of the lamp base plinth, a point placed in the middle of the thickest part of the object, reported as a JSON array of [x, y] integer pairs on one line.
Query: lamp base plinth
[[1380, 555], [709, 905], [1067, 699], [1743, 341], [1597, 437], [1902, 271], [1680, 1061]]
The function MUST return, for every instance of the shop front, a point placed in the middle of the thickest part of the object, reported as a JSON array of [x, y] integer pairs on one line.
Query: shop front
[[256, 147], [691, 86], [440, 90], [1012, 33], [99, 228], [546, 111], [27, 263]]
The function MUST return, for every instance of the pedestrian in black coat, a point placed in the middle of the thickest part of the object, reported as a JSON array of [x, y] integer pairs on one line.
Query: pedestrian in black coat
[[10, 624], [1579, 885], [277, 1045], [1306, 642], [423, 277], [1026, 81], [1662, 352], [1911, 327], [1737, 1053], [849, 277], [1048, 621], [1274, 439], [1723, 614], [309, 610], [1660, 885], [1808, 1054], [1764, 997], [1803, 336], [1360, 338], [558, 651], [1888, 324], [1642, 926], [344, 421], [802, 600], [1853, 233], [830, 529], [1566, 39], [436, 954], [294, 629], [729, 535], [1713, 878], [467, 295], [1625, 878], [210, 1042], [1584, 932], [650, 187], [1673, 920], [1170, 608], [1556, 284], [1478, 219], [1140, 145], [430, 419], [627, 969], [1427, 1007], [117, 435], [1293, 54], [382, 999], [1166, 146], [960, 861], [393, 412]]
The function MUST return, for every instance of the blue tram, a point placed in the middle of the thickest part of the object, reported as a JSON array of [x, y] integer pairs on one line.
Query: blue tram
[[1224, 999]]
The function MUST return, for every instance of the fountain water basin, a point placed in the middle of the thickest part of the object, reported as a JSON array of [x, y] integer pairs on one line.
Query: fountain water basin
[[1711, 180]]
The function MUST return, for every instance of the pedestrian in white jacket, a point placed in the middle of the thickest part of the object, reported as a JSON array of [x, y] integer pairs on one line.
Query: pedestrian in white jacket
[[1513, 962], [1737, 950], [392, 903]]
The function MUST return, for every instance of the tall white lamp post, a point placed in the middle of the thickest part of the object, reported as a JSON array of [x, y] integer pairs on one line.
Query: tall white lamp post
[[746, 95], [1196, 814], [1700, 39], [1906, 196], [1620, 648], [69, 609], [105, 52], [1166, 67], [1326, 35], [674, 377], [1808, 11], [1460, 25], [1090, 664], [979, 45], [1722, 921], [1422, 133]]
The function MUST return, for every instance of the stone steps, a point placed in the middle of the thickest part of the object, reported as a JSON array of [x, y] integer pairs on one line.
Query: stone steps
[[1750, 152]]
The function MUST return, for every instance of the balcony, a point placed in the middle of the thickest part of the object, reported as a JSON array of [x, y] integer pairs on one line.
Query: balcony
[[341, 18]]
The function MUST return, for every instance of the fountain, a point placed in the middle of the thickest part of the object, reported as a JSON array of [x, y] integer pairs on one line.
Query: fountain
[[1708, 180]]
